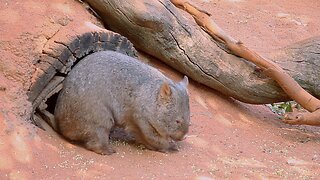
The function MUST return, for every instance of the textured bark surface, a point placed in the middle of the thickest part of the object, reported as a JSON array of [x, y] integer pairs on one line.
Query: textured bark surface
[[302, 61], [160, 29]]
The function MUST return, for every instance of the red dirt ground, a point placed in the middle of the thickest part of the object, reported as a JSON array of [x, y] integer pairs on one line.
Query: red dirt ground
[[227, 139]]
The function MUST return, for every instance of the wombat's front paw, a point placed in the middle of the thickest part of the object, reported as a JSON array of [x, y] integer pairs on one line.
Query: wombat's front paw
[[107, 151], [100, 149], [173, 146]]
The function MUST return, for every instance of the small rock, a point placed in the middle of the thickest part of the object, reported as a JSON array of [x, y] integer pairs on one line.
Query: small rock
[[295, 162], [283, 15], [203, 178], [315, 157]]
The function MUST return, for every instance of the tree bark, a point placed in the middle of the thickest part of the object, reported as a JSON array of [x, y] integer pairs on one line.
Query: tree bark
[[158, 28]]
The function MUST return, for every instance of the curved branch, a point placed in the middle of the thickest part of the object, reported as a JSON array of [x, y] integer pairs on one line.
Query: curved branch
[[287, 83]]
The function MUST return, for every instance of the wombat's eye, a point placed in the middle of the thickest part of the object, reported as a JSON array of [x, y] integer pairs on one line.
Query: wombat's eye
[[178, 121]]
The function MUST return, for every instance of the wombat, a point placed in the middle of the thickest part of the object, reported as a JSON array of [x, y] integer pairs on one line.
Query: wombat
[[108, 89]]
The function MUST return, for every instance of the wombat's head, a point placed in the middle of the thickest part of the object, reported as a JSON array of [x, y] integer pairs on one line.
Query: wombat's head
[[173, 113]]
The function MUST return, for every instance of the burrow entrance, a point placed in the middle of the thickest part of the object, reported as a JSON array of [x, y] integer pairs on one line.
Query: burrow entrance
[[59, 55]]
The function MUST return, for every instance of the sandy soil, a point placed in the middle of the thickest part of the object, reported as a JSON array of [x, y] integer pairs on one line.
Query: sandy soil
[[227, 139]]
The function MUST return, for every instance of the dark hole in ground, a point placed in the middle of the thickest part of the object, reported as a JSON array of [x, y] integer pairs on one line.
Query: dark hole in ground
[[51, 102]]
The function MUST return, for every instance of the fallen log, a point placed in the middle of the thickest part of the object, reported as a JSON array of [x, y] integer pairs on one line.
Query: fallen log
[[158, 28]]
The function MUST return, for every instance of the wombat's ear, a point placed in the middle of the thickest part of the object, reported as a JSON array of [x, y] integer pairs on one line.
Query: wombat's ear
[[165, 91], [184, 81]]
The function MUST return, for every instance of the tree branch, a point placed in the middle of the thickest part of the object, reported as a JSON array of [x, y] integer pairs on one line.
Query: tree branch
[[287, 83]]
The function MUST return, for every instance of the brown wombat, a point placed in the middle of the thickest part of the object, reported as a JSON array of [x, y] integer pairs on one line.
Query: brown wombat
[[108, 89]]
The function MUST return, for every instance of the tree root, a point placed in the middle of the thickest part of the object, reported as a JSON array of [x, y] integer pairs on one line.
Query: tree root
[[287, 83]]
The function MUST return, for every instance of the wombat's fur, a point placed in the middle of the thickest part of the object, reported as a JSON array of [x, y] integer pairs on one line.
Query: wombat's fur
[[108, 89]]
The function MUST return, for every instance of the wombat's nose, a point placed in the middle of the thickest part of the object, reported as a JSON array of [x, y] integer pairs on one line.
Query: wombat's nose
[[184, 137], [178, 137]]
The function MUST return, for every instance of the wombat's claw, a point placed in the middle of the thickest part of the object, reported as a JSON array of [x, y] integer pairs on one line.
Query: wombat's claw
[[173, 147], [100, 149], [104, 151], [107, 151]]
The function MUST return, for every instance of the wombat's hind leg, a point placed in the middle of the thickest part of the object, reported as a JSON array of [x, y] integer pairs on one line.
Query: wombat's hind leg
[[99, 142]]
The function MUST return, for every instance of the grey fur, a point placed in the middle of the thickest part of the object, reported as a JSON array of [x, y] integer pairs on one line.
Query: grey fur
[[108, 89]]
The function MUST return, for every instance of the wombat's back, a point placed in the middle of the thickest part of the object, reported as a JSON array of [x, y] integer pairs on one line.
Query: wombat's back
[[112, 70]]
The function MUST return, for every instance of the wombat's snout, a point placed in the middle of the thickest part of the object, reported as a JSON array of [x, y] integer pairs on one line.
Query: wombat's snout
[[179, 137], [184, 137]]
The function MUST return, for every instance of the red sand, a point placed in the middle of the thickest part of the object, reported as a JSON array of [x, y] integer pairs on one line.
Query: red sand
[[227, 139]]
